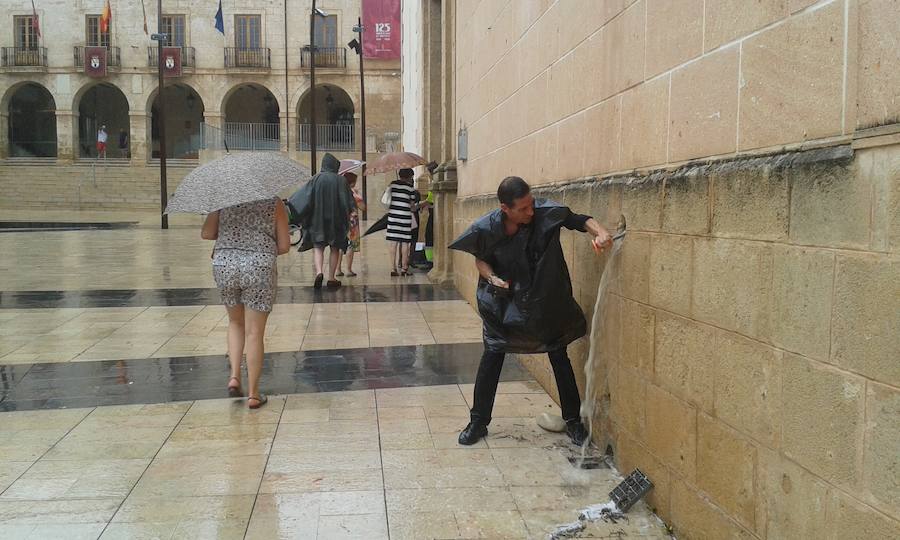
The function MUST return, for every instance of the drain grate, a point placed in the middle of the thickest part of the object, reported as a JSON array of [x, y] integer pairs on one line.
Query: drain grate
[[631, 490]]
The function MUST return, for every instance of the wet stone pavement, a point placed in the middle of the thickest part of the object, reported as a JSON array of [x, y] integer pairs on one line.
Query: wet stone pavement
[[113, 422]]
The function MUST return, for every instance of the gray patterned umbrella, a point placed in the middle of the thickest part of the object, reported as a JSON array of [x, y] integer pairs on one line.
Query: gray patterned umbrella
[[234, 179]]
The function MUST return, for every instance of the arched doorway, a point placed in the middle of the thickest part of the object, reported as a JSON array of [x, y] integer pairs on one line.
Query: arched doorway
[[335, 125], [184, 114], [32, 122], [252, 119], [103, 106]]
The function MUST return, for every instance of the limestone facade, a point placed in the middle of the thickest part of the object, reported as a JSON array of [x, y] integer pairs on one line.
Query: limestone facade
[[748, 358], [285, 80]]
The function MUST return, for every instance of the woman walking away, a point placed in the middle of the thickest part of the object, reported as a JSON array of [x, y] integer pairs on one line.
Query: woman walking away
[[323, 206], [354, 237], [249, 237], [400, 220]]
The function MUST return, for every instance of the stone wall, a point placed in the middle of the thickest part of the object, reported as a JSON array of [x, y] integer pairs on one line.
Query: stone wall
[[557, 90], [749, 355], [748, 359]]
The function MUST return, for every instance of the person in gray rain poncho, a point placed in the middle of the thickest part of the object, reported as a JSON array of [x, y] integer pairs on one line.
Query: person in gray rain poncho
[[323, 208], [525, 295]]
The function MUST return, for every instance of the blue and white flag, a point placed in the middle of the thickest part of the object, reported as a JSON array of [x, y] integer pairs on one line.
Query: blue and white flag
[[220, 21]]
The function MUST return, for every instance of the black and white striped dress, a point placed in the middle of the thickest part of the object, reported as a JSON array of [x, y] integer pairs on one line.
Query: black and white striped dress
[[400, 215]]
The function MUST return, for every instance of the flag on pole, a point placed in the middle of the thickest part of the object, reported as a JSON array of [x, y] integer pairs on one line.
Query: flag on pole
[[34, 21], [105, 17], [144, 9], [220, 21]]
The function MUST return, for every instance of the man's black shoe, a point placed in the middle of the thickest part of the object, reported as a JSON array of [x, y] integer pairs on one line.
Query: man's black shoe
[[577, 432], [472, 434]]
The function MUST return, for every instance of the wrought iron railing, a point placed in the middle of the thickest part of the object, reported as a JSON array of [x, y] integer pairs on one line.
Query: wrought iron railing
[[339, 137], [325, 57], [241, 57], [187, 57], [113, 56], [240, 136], [24, 56]]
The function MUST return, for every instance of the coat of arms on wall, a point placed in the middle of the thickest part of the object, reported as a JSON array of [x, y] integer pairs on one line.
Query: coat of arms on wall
[[95, 61], [171, 61]]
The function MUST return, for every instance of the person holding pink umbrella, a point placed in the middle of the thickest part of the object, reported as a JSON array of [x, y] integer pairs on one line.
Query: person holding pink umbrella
[[350, 169]]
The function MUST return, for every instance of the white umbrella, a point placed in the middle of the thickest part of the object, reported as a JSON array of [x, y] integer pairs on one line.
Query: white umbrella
[[350, 165], [235, 179]]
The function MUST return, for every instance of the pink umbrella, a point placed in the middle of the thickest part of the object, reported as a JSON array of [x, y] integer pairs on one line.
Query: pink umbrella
[[395, 161]]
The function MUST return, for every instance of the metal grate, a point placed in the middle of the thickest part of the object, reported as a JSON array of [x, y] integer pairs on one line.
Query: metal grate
[[631, 490]]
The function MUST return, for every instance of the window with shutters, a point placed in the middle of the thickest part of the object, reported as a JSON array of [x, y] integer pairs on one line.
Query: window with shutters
[[247, 31], [26, 37], [174, 27], [326, 31], [94, 37]]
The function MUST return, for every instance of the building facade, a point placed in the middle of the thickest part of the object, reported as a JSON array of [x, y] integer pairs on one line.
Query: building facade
[[747, 346], [246, 88]]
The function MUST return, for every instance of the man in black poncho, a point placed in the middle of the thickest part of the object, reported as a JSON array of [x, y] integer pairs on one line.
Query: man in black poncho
[[323, 208], [525, 296]]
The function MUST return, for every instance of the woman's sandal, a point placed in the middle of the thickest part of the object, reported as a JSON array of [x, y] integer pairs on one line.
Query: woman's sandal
[[235, 391], [317, 284], [260, 401], [394, 273], [405, 272], [350, 274]]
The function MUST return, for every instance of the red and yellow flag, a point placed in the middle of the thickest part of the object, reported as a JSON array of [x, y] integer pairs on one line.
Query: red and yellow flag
[[105, 17]]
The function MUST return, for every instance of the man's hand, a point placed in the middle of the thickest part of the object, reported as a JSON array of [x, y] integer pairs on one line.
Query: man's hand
[[602, 239], [497, 282]]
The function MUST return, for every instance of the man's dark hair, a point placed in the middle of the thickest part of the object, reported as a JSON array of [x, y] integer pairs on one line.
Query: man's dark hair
[[512, 188], [405, 173]]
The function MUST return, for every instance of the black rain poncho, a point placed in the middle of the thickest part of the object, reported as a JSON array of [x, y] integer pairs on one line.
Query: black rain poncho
[[323, 207], [540, 315]]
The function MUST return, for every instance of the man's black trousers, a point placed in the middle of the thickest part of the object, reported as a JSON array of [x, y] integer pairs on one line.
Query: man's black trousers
[[489, 376]]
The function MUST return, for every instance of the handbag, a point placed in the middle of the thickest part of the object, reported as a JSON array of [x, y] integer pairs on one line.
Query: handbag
[[386, 196]]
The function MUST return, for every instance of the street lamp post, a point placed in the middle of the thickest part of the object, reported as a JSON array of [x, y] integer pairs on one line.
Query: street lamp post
[[163, 188], [312, 84], [358, 47]]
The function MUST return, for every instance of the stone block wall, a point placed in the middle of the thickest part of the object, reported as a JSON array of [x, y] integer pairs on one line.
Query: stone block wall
[[749, 354], [565, 89]]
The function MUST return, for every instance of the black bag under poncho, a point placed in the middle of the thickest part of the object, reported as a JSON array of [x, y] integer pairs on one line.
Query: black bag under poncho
[[539, 313]]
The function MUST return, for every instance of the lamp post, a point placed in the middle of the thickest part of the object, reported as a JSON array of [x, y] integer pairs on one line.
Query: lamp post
[[358, 47], [312, 84], [159, 37]]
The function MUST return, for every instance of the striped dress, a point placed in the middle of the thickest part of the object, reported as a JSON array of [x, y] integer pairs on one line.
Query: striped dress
[[400, 215]]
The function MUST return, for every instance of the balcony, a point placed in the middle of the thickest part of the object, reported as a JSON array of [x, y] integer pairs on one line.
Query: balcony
[[188, 61], [334, 137], [113, 57], [24, 57], [324, 57], [248, 58]]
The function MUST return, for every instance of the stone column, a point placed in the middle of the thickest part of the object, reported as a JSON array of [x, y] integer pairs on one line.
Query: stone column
[[66, 136], [282, 131], [448, 66], [4, 135], [141, 143], [444, 189], [216, 120], [213, 118]]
